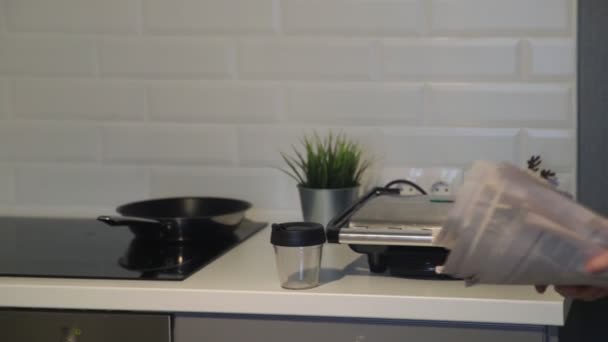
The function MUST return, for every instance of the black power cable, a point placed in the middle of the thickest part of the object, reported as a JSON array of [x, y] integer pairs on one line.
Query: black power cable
[[405, 181]]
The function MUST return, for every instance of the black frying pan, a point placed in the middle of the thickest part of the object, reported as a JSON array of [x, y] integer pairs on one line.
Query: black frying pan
[[180, 218]]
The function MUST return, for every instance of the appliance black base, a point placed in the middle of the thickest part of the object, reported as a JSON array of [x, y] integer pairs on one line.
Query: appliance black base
[[405, 261]]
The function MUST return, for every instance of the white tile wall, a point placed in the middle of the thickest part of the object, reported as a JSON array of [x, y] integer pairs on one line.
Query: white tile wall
[[169, 143], [499, 16], [567, 182], [365, 104], [6, 184], [164, 58], [79, 185], [261, 146], [354, 17], [49, 142], [213, 102], [53, 56], [2, 16], [79, 99], [451, 59], [436, 146], [108, 101], [557, 147], [304, 58], [501, 104], [553, 58], [4, 98], [208, 16], [72, 16]]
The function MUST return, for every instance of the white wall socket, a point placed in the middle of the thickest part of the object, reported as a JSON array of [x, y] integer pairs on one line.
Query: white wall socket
[[435, 181], [441, 188]]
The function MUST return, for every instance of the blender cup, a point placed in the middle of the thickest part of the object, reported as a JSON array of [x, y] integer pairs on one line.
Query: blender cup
[[298, 248]]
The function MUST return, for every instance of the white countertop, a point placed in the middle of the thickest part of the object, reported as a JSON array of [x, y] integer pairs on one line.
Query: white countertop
[[244, 281]]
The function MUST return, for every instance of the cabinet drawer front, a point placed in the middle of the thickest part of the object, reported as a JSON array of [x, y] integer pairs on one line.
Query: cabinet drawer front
[[45, 326], [211, 329]]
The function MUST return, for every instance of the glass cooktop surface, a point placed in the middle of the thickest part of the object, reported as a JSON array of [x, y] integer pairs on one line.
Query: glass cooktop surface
[[87, 248]]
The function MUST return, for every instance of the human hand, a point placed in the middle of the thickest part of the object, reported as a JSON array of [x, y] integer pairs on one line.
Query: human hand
[[597, 264], [584, 293]]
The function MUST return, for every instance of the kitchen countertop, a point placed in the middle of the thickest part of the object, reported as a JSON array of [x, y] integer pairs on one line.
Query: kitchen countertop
[[244, 281]]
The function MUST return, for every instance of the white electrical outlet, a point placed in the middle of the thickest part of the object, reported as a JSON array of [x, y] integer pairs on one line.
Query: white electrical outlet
[[408, 190], [407, 187], [435, 181], [443, 181], [441, 188], [410, 174]]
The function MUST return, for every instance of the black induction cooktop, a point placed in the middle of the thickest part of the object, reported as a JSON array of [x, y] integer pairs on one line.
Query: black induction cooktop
[[87, 248]]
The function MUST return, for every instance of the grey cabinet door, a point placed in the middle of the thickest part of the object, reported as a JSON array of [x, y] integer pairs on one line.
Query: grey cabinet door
[[60, 326], [224, 329]]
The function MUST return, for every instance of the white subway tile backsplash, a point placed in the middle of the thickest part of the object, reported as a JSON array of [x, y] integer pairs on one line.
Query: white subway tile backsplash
[[6, 184], [566, 182], [499, 16], [169, 143], [52, 142], [2, 16], [4, 98], [450, 58], [72, 16], [107, 101], [263, 187], [557, 148], [370, 104], [79, 99], [500, 104], [553, 57], [301, 58], [438, 146], [47, 56], [261, 145], [186, 58], [208, 16], [213, 102], [353, 17], [80, 185]]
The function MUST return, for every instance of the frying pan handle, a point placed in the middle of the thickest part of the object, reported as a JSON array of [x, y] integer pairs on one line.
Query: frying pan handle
[[126, 220]]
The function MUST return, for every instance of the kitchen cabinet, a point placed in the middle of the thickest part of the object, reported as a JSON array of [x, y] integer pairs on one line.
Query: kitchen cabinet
[[83, 326], [203, 328]]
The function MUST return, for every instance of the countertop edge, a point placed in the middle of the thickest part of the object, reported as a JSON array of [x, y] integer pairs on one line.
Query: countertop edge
[[497, 311]]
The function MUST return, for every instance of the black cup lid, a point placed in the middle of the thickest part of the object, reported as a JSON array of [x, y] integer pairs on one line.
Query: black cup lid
[[297, 234]]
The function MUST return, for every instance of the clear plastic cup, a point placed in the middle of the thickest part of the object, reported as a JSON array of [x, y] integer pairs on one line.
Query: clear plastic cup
[[298, 248], [298, 267]]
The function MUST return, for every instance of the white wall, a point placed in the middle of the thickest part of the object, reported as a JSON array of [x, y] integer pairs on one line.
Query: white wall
[[108, 101]]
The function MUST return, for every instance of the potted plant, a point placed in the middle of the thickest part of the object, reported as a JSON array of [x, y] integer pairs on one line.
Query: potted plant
[[328, 171]]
